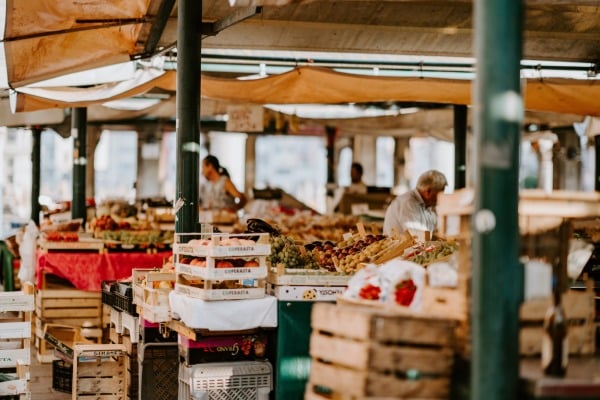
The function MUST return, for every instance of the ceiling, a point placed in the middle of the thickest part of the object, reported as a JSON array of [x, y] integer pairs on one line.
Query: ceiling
[[45, 39], [554, 29]]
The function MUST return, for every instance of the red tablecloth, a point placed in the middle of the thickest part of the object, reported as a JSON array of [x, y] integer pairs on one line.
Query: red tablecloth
[[86, 271]]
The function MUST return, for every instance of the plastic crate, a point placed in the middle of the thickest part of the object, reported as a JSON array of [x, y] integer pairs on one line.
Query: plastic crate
[[239, 380], [158, 371], [150, 332], [62, 376], [123, 297], [107, 294]]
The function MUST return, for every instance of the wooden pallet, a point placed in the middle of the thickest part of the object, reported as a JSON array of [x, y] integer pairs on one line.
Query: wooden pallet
[[362, 352], [99, 372]]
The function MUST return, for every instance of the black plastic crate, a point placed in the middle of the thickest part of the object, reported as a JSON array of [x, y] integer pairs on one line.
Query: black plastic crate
[[123, 297], [107, 293], [159, 369], [62, 376], [150, 333]]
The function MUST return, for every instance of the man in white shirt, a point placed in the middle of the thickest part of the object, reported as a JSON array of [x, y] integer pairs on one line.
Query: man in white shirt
[[415, 209]]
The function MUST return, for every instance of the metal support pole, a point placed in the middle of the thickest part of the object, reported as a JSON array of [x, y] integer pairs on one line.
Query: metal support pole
[[188, 114], [497, 274], [78, 130], [597, 173], [460, 146], [36, 149]]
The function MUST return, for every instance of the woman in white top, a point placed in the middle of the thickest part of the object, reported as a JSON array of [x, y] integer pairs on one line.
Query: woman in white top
[[219, 192]]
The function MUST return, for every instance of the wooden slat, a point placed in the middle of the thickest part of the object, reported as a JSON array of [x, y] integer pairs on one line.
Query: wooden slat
[[382, 326], [580, 338], [577, 304], [71, 303], [66, 293], [366, 355], [71, 313], [103, 368], [363, 383]]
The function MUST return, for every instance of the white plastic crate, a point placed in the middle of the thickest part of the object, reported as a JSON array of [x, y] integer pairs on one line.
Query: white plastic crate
[[237, 380], [220, 244]]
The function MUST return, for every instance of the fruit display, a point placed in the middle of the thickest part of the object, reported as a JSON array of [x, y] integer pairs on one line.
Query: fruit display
[[348, 254], [284, 250], [305, 226], [429, 252], [129, 232], [57, 236]]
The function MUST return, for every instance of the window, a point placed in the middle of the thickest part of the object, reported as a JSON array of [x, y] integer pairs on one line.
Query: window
[[296, 164]]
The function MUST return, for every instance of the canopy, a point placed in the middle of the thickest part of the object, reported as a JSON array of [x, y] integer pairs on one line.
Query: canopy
[[307, 85]]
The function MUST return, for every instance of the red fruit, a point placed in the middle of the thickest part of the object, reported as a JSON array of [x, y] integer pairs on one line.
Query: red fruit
[[405, 292], [370, 292]]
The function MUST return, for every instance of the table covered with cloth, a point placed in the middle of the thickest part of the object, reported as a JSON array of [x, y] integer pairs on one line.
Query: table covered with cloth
[[86, 271]]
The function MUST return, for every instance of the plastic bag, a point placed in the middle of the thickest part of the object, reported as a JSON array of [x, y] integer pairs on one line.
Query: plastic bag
[[396, 282], [403, 283], [27, 250]]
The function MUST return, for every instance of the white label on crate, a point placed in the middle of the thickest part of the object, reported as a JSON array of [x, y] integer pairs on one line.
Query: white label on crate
[[16, 302], [101, 353], [229, 271], [306, 293], [185, 269], [185, 249]]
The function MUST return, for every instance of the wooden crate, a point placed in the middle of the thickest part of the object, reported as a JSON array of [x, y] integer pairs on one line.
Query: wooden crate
[[99, 372], [18, 384], [579, 306], [367, 352], [16, 327], [152, 300], [69, 307]]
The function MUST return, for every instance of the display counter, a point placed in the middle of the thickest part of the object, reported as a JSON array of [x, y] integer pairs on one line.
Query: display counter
[[86, 270]]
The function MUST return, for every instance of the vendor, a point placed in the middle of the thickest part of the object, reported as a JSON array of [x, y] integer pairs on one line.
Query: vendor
[[219, 192], [357, 185], [415, 209]]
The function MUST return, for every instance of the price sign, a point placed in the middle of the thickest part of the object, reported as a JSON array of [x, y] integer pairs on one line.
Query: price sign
[[244, 118]]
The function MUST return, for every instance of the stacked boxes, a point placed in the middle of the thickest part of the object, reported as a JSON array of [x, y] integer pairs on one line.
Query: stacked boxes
[[363, 353], [63, 305], [222, 365], [99, 371], [220, 266], [124, 328], [15, 332]]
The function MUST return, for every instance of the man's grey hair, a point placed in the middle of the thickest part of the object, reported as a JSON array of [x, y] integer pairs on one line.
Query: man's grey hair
[[432, 179]]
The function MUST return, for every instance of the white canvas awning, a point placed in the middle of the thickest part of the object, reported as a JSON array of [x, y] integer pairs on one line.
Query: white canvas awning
[[311, 85]]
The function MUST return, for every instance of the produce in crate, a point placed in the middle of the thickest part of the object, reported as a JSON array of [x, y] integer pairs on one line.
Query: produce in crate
[[284, 250], [430, 252]]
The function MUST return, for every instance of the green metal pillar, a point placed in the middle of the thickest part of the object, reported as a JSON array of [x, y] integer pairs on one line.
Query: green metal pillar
[[36, 149], [79, 132], [189, 16], [460, 146], [497, 274]]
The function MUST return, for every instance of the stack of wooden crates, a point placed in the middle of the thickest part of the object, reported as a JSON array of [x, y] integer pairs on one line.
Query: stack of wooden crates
[[58, 303], [538, 212], [370, 352], [15, 331]]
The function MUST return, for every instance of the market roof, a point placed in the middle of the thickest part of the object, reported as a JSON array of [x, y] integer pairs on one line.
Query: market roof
[[42, 39]]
